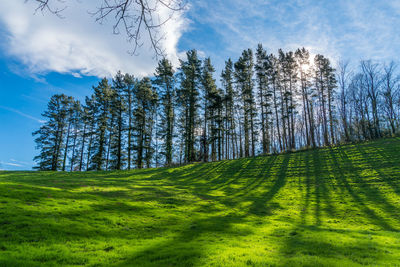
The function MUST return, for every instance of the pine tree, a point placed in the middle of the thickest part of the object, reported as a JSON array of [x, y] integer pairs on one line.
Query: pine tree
[[273, 76], [87, 119], [325, 83], [68, 132], [229, 118], [50, 138], [188, 96], [146, 100], [244, 79], [264, 96], [290, 74], [90, 119], [212, 111], [303, 61], [76, 119], [129, 94], [119, 107], [165, 82], [103, 119]]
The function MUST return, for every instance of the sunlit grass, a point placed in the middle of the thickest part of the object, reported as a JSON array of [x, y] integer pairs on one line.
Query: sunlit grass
[[335, 207]]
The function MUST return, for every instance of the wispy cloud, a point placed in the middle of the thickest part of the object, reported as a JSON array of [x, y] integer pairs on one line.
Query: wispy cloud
[[22, 114], [20, 162], [77, 45], [354, 30], [11, 164]]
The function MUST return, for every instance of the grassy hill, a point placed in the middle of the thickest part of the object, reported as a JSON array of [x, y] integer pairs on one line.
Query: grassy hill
[[335, 207]]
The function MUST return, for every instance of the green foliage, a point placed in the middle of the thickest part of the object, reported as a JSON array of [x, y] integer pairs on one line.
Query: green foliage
[[50, 136], [188, 98], [146, 101], [244, 80], [324, 207], [165, 82]]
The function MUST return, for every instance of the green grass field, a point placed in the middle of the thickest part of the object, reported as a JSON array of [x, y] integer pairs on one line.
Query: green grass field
[[329, 207]]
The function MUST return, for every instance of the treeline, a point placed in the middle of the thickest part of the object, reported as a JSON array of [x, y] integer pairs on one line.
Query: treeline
[[266, 104]]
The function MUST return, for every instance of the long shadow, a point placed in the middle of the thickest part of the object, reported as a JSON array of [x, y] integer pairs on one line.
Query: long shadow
[[64, 180], [182, 251], [191, 173], [236, 171], [340, 175], [320, 171], [318, 181], [372, 193], [390, 162], [260, 204], [304, 210], [72, 223], [305, 241], [262, 176], [236, 196]]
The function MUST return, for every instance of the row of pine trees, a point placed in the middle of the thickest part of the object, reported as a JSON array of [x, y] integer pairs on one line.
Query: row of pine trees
[[266, 104]]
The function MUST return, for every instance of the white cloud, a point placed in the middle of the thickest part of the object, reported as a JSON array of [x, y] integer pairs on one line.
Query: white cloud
[[77, 44], [23, 114], [337, 29], [11, 164], [20, 162]]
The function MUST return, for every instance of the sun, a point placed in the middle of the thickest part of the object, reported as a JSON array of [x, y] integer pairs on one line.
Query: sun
[[305, 67]]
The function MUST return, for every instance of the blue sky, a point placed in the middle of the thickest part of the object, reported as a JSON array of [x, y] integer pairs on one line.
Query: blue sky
[[41, 55]]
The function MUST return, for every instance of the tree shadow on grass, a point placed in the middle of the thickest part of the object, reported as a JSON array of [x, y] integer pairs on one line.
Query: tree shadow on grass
[[213, 176], [256, 181], [68, 180], [184, 250], [326, 246], [373, 194], [341, 175], [261, 205], [192, 173], [322, 193], [262, 176], [390, 162]]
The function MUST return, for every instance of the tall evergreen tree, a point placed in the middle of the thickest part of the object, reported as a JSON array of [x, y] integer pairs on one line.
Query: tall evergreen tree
[[188, 94], [50, 137], [119, 108], [165, 82], [264, 96], [229, 105], [76, 120], [128, 96], [103, 118], [146, 100], [210, 109], [244, 79]]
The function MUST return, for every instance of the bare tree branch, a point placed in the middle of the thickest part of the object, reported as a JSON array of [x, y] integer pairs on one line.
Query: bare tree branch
[[133, 16], [44, 5]]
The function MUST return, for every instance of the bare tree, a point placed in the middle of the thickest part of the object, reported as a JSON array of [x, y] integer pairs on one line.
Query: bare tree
[[134, 17], [391, 90], [343, 77], [372, 82]]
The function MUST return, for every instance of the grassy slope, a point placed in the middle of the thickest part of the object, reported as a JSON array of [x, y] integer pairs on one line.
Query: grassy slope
[[335, 206]]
